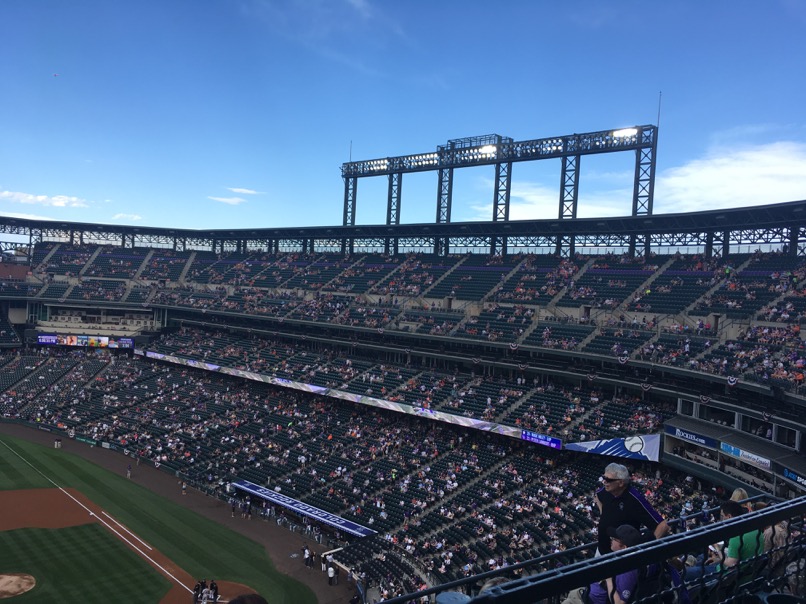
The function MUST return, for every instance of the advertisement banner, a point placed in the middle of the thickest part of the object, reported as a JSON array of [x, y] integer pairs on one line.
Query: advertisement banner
[[794, 477], [48, 339], [303, 508], [440, 416], [746, 456], [693, 437], [644, 448]]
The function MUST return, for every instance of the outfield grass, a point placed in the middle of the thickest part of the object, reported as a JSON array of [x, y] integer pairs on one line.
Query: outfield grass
[[79, 564], [199, 546]]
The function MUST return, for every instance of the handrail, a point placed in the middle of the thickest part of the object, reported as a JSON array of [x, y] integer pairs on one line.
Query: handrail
[[552, 583]]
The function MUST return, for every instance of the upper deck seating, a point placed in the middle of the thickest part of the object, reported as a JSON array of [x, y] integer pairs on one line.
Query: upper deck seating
[[70, 260], [537, 278], [165, 264], [367, 272], [416, 274], [609, 282], [474, 278], [116, 263]]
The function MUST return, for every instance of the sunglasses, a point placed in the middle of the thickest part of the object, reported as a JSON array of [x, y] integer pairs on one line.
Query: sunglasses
[[606, 479]]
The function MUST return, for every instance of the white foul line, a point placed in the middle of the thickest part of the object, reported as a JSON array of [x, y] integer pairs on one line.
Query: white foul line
[[106, 524], [128, 531]]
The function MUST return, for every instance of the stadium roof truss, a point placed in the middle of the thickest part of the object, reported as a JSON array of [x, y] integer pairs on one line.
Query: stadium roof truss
[[712, 232]]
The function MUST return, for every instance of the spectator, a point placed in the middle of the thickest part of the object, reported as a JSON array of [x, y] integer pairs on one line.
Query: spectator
[[740, 496], [619, 503], [776, 538], [740, 547], [622, 587]]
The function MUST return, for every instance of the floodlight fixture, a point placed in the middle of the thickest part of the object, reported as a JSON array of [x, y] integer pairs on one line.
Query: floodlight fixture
[[625, 132]]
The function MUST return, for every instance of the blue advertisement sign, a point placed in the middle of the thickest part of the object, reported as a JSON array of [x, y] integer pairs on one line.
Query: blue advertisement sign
[[751, 458], [794, 477], [693, 437], [303, 508]]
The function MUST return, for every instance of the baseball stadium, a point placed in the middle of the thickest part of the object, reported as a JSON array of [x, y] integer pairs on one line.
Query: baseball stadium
[[406, 412]]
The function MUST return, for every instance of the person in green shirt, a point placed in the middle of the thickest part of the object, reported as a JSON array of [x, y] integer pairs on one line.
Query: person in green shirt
[[740, 548]]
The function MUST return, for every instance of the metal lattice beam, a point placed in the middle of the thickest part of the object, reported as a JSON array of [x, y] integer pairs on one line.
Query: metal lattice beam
[[444, 201], [350, 192], [393, 201], [444, 195], [494, 149], [644, 186], [569, 181], [497, 148], [715, 231], [501, 196], [503, 186]]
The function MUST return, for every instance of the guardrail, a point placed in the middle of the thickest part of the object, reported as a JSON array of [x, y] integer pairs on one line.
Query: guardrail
[[550, 586]]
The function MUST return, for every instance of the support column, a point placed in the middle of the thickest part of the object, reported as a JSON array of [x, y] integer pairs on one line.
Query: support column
[[350, 194], [644, 186], [444, 200], [393, 198], [501, 196], [569, 183]]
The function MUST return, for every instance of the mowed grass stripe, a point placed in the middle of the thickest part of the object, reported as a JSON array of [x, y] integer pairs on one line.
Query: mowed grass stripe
[[169, 528], [78, 564], [174, 532], [16, 474], [199, 546]]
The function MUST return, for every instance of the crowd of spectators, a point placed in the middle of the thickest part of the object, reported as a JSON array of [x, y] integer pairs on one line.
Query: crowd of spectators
[[458, 501]]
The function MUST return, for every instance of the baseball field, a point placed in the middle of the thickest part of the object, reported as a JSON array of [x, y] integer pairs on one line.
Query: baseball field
[[71, 531]]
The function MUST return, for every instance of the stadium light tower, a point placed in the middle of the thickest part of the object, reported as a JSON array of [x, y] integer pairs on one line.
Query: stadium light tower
[[502, 152]]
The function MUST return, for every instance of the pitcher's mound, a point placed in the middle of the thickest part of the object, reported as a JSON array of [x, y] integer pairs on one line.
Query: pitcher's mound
[[14, 584]]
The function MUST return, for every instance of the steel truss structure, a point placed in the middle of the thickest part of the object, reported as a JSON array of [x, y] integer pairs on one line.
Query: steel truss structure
[[502, 152], [718, 232]]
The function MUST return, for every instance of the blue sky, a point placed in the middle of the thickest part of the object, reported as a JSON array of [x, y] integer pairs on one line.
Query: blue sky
[[239, 113]]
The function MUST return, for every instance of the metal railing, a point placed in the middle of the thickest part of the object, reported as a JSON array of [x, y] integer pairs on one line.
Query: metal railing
[[750, 576]]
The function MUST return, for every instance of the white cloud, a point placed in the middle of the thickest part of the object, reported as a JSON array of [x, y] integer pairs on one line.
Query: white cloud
[[536, 201], [233, 201], [127, 217], [240, 191], [362, 7], [27, 216], [730, 178], [724, 178], [55, 201]]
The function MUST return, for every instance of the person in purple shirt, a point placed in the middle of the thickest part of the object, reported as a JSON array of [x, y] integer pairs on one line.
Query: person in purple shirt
[[621, 587], [620, 503]]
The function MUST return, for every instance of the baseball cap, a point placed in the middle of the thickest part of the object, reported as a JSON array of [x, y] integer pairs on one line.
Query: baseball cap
[[628, 535]]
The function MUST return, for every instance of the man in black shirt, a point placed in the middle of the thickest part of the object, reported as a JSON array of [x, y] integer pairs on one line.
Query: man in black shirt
[[620, 503]]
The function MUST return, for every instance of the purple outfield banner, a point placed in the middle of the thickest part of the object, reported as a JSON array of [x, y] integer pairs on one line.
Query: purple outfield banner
[[303, 508]]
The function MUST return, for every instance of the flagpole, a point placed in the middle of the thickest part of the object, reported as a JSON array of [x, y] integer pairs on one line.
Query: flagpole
[[660, 96]]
